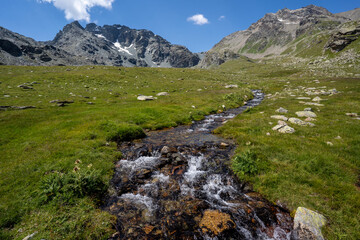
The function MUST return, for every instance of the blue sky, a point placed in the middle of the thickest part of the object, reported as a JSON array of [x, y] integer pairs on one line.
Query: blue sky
[[42, 19]]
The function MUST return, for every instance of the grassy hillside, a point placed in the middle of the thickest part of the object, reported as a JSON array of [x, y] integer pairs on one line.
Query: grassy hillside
[[312, 167], [50, 154]]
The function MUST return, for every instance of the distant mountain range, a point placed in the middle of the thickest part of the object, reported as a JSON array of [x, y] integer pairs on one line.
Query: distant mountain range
[[304, 32], [108, 45], [280, 33]]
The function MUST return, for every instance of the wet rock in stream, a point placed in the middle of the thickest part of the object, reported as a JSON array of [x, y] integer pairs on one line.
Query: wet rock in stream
[[176, 184]]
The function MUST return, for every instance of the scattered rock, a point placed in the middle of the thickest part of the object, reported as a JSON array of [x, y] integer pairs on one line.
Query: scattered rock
[[162, 94], [54, 101], [282, 110], [30, 236], [329, 143], [306, 114], [314, 104], [352, 114], [6, 96], [338, 138], [303, 98], [317, 99], [286, 129], [215, 222], [307, 224], [64, 103], [16, 107], [268, 134], [308, 109], [145, 98], [232, 86], [300, 122], [90, 103], [224, 145], [23, 86], [309, 119], [279, 117]]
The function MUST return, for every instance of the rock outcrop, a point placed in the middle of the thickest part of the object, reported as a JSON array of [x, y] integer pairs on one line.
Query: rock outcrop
[[344, 37]]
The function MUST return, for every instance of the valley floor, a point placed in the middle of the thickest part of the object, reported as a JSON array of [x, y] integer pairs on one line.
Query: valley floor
[[49, 154]]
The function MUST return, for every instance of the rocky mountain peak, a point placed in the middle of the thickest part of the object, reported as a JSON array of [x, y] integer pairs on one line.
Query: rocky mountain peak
[[106, 45], [271, 34]]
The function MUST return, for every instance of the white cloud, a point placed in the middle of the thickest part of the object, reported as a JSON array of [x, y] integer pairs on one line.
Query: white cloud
[[221, 18], [79, 9], [198, 19]]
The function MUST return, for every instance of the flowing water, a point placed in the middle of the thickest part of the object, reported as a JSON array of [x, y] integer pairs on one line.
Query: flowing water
[[177, 184]]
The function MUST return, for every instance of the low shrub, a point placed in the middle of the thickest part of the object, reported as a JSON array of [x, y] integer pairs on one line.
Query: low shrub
[[245, 164], [81, 182]]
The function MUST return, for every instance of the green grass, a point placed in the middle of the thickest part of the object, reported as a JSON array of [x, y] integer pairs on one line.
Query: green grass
[[300, 169], [41, 188], [43, 183]]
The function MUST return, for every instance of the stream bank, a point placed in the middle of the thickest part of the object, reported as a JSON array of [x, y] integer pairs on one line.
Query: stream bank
[[177, 184]]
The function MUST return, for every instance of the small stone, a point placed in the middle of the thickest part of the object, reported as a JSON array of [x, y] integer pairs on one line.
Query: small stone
[[232, 86], [268, 134], [314, 104], [280, 117], [145, 98], [282, 110], [7, 96], [25, 86], [165, 150], [90, 103], [30, 236], [303, 98], [248, 143], [162, 94], [351, 114], [329, 143], [338, 138], [317, 99], [306, 114], [286, 129], [224, 145], [54, 101]]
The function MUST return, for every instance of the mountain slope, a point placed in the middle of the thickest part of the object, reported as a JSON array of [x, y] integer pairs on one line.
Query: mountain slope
[[108, 45], [272, 34], [16, 49], [352, 14]]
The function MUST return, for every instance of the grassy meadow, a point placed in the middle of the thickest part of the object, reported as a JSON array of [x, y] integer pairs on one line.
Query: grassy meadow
[[50, 155]]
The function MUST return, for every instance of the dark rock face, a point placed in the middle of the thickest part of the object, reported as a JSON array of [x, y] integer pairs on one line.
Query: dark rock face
[[343, 38], [10, 48], [108, 45]]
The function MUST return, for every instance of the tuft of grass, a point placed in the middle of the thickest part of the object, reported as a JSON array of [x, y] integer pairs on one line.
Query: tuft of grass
[[245, 164], [121, 132]]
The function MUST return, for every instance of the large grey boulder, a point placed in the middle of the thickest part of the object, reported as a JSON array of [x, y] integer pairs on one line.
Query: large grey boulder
[[307, 225]]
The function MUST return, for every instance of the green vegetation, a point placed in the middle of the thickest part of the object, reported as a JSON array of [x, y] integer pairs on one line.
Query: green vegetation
[[41, 187], [301, 169], [56, 162]]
